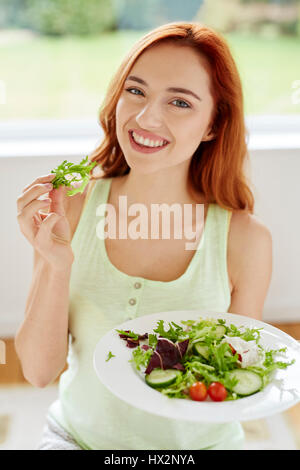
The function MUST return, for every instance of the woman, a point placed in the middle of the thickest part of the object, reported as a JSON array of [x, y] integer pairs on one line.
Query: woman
[[178, 87]]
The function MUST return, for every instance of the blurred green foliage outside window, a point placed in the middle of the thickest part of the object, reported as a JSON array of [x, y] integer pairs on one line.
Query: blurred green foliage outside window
[[58, 56]]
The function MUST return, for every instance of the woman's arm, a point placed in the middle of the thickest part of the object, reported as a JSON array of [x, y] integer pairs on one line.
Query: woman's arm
[[42, 339], [251, 260]]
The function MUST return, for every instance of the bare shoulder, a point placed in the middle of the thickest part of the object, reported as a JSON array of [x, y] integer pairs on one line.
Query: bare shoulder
[[250, 264], [244, 224], [249, 240]]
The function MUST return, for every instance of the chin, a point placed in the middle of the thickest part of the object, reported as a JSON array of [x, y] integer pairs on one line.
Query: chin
[[144, 165]]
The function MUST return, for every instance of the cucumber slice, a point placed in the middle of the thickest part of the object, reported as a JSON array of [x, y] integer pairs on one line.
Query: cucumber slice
[[161, 378], [248, 382], [220, 331], [202, 350]]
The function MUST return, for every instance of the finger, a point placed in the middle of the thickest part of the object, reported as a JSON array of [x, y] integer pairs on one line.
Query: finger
[[33, 193], [40, 217], [28, 220], [40, 179], [47, 225], [31, 209], [58, 199], [37, 218], [43, 215]]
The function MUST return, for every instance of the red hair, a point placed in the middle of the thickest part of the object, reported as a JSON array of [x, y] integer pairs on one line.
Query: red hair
[[217, 166]]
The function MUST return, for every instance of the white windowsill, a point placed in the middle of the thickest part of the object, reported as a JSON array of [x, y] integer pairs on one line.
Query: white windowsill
[[77, 138]]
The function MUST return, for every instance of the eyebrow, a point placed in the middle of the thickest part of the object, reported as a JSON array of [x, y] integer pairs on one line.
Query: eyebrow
[[171, 89]]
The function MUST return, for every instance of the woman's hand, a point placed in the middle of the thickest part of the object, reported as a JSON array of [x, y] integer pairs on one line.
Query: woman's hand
[[49, 233]]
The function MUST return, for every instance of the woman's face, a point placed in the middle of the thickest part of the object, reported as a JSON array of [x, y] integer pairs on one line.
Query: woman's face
[[150, 108]]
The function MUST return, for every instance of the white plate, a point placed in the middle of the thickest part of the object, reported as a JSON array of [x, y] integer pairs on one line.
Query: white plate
[[121, 378]]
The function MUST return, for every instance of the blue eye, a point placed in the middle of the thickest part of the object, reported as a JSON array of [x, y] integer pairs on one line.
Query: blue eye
[[130, 89], [180, 101]]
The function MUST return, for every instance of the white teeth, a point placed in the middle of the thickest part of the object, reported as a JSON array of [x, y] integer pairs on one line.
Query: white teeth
[[147, 142]]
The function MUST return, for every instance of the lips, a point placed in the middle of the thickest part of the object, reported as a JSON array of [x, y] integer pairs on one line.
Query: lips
[[149, 135], [144, 149]]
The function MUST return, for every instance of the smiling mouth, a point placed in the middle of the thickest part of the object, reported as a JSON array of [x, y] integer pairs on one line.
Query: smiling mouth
[[148, 146]]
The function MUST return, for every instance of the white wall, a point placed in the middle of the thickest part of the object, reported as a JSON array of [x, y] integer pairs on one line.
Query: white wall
[[275, 176]]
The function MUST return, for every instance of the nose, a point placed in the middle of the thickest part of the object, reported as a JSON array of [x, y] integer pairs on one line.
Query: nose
[[150, 117]]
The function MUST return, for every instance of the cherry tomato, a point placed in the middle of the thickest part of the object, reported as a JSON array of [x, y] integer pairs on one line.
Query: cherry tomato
[[217, 391], [198, 391]]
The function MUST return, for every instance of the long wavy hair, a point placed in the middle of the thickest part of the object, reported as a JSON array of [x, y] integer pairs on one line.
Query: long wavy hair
[[217, 168]]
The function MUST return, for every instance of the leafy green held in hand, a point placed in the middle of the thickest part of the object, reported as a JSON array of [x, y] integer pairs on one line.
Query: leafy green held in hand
[[68, 168]]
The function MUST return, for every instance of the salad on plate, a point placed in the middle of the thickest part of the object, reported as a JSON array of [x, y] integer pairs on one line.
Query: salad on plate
[[203, 359]]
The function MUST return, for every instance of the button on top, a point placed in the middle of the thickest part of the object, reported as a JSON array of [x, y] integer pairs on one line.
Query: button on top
[[132, 301], [137, 285]]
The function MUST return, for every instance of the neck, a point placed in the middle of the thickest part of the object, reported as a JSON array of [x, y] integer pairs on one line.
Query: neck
[[168, 185]]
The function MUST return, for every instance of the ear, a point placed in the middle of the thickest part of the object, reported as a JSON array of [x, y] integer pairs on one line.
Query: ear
[[209, 136]]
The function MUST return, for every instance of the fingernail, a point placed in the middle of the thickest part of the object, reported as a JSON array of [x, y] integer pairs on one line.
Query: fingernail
[[49, 186]]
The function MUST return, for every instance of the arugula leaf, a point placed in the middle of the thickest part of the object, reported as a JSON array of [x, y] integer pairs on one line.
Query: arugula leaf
[[250, 334], [68, 168], [205, 330], [152, 340], [222, 358], [270, 364], [179, 389], [188, 323], [233, 330], [129, 333], [141, 357], [174, 333], [109, 356]]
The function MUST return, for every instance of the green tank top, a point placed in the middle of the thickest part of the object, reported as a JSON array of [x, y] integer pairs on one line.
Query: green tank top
[[102, 297]]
